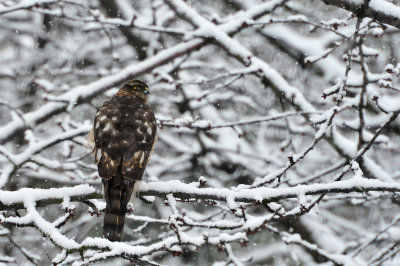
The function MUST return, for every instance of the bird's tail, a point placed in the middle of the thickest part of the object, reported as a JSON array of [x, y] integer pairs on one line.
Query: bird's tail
[[114, 217]]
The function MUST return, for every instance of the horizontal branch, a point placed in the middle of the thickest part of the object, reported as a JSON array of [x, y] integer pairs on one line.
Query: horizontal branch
[[263, 194], [207, 125], [14, 200], [182, 190]]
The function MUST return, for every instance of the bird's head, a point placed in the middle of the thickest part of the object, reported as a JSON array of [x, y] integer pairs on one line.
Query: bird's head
[[135, 88], [137, 85]]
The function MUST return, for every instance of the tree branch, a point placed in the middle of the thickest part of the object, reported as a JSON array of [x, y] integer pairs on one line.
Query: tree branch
[[188, 191], [379, 10]]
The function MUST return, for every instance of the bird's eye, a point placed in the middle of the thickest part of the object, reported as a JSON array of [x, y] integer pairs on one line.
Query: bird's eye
[[136, 87]]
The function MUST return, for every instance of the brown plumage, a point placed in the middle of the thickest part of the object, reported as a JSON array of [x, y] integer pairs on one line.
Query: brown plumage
[[125, 131]]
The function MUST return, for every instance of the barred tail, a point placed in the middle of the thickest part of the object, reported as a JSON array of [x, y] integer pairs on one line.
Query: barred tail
[[114, 217]]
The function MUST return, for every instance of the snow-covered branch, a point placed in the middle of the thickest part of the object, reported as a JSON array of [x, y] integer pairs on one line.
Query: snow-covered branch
[[380, 10]]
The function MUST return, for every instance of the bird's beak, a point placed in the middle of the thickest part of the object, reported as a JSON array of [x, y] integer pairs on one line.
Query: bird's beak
[[147, 92]]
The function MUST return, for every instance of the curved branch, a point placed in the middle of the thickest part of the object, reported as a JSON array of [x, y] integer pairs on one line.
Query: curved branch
[[379, 10]]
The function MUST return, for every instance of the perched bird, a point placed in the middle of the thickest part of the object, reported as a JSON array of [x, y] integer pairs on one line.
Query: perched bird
[[124, 132]]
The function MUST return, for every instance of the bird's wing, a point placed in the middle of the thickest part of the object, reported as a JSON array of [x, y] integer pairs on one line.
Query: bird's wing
[[107, 127], [141, 128]]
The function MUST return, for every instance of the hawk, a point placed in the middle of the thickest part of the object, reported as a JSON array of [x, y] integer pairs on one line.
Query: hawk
[[124, 132]]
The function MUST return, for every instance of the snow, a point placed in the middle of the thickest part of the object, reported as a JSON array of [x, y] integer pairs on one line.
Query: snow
[[169, 243], [331, 67], [369, 51], [324, 236], [24, 5], [345, 144], [230, 200], [385, 7], [265, 193], [389, 103], [34, 147], [7, 259], [372, 167], [26, 195]]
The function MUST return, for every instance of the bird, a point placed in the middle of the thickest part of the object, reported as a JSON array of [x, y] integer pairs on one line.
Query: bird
[[124, 132]]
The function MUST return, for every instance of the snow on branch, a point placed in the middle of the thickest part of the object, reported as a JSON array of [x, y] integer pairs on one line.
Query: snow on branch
[[380, 10], [187, 191], [30, 199], [18, 199], [85, 93], [273, 77], [13, 200], [35, 147], [25, 5], [188, 122]]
